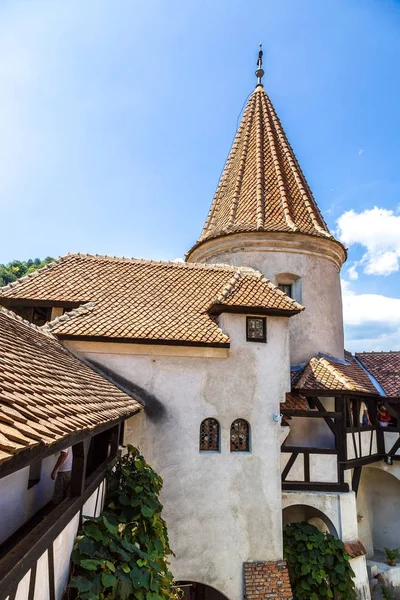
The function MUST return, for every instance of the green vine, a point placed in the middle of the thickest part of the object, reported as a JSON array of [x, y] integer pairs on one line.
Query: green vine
[[318, 564], [123, 554]]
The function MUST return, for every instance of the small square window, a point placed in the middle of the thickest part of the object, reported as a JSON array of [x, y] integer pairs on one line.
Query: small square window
[[256, 329], [286, 289]]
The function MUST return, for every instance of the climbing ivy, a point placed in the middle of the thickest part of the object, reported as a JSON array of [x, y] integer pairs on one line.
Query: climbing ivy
[[124, 553], [318, 564]]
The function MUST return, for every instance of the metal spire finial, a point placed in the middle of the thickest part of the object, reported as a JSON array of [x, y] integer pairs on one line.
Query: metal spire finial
[[260, 70]]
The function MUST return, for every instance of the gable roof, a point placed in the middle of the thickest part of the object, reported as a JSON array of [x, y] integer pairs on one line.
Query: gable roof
[[385, 367], [138, 300], [262, 187], [324, 372], [46, 393]]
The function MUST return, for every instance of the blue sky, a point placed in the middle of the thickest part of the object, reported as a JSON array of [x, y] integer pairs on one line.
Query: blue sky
[[117, 117]]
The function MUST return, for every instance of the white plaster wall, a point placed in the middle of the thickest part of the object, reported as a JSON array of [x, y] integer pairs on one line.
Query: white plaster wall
[[320, 326], [62, 548], [323, 468], [17, 503], [359, 567], [94, 505], [365, 444], [339, 507], [42, 578], [222, 509], [390, 438], [379, 502], [23, 587]]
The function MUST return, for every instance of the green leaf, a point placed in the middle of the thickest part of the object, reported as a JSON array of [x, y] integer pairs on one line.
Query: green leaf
[[125, 568], [111, 528], [108, 580], [93, 530], [89, 564], [80, 583], [146, 511]]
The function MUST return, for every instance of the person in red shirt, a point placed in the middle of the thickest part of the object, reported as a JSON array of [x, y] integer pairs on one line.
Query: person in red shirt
[[383, 416]]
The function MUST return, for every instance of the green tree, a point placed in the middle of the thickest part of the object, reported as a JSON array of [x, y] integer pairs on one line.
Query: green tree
[[124, 553], [318, 564], [18, 268]]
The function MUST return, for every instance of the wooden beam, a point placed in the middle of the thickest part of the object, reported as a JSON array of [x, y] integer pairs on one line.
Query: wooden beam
[[312, 414], [394, 448], [360, 462], [308, 450], [306, 467], [26, 457], [321, 409], [301, 486], [355, 482], [289, 465]]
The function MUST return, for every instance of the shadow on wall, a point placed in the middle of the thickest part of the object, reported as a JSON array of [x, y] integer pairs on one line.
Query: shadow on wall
[[302, 512], [378, 509]]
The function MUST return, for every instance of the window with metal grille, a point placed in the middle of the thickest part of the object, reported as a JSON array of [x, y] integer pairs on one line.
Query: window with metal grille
[[256, 329], [286, 288], [240, 436], [209, 435]]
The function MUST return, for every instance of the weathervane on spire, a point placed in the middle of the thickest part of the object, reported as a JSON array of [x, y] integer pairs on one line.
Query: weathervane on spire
[[260, 70]]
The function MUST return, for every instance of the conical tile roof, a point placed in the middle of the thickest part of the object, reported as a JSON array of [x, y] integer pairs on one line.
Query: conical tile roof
[[262, 187]]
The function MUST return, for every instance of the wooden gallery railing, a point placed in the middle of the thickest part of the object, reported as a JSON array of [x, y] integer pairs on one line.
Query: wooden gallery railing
[[35, 565]]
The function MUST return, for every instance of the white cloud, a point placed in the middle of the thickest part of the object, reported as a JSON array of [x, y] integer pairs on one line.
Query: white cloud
[[378, 230], [372, 321], [361, 150]]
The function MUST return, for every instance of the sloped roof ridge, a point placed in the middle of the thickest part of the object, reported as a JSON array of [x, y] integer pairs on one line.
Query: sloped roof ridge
[[84, 309], [377, 352], [35, 273], [183, 265], [12, 315]]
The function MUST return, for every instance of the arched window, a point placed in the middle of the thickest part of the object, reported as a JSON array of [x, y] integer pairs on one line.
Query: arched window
[[240, 436], [209, 435]]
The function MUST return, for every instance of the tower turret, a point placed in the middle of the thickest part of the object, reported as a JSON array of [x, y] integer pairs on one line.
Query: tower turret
[[264, 215]]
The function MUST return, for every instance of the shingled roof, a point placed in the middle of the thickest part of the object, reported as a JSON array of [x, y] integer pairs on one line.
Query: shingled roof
[[327, 373], [385, 367], [46, 393], [139, 300], [262, 187]]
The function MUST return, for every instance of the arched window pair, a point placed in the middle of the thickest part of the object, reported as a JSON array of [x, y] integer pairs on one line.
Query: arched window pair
[[210, 436]]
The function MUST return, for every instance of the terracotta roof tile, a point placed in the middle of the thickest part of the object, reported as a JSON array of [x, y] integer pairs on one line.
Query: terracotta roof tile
[[144, 300], [385, 367], [295, 402], [324, 372], [355, 549], [78, 398], [262, 187]]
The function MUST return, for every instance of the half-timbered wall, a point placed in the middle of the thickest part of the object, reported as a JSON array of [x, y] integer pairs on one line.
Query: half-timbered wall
[[18, 503], [47, 574]]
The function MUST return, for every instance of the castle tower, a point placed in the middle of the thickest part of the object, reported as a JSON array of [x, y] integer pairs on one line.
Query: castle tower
[[264, 216]]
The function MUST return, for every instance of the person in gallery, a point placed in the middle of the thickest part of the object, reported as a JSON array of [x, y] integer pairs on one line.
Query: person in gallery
[[383, 416], [364, 415], [62, 475]]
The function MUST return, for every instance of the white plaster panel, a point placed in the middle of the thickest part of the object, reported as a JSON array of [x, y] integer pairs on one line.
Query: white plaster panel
[[62, 548], [94, 505], [323, 468], [18, 503], [23, 587], [42, 578], [320, 326], [296, 473], [364, 450], [359, 566], [390, 439], [215, 504]]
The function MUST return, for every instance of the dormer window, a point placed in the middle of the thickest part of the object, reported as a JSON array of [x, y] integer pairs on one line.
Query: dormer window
[[256, 329], [286, 288]]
